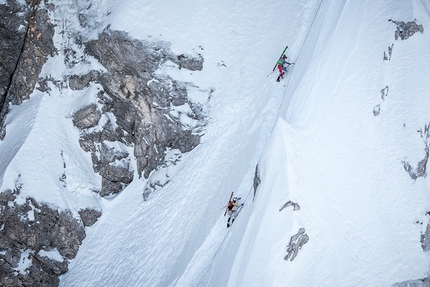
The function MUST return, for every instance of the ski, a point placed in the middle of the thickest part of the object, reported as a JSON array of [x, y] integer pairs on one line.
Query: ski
[[283, 52], [231, 195]]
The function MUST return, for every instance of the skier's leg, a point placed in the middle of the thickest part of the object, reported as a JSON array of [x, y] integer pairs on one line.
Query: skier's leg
[[234, 215]]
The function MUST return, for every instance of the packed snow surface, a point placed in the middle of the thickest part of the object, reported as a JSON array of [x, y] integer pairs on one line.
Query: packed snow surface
[[332, 136]]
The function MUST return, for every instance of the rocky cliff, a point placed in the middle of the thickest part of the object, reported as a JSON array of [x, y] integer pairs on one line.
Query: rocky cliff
[[132, 126]]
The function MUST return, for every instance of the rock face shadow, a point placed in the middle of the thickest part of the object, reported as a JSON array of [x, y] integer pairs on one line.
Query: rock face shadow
[[296, 243]]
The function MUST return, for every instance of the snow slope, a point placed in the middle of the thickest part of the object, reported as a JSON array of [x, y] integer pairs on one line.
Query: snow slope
[[342, 164], [314, 136], [151, 243]]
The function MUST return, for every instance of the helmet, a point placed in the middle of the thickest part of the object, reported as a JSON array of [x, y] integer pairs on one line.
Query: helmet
[[284, 57], [234, 199]]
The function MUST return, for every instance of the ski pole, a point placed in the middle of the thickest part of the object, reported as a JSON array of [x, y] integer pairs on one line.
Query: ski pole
[[270, 73]]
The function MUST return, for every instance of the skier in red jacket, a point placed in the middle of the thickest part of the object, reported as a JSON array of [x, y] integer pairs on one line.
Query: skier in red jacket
[[282, 67]]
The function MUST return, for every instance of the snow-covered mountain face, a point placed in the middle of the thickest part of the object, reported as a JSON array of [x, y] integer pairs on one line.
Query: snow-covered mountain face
[[96, 113], [352, 145], [125, 126]]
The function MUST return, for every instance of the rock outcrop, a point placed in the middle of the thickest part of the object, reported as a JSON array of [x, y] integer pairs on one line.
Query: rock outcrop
[[424, 282], [36, 241], [296, 243], [295, 206], [257, 179], [425, 239], [12, 31], [27, 38], [421, 169], [406, 30], [142, 108], [89, 216]]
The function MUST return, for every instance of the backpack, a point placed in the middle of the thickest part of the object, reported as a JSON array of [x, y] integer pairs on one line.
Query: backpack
[[230, 205]]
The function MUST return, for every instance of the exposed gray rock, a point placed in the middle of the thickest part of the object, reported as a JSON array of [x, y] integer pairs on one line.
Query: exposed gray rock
[[377, 108], [80, 82], [89, 216], [115, 179], [257, 179], [87, 117], [406, 30], [420, 170], [141, 103], [44, 87], [29, 228], [12, 33], [390, 52], [296, 243], [113, 166], [425, 239], [188, 62], [384, 93], [110, 187], [13, 29], [290, 203], [37, 46], [152, 186], [12, 256], [56, 267], [88, 142], [425, 282]]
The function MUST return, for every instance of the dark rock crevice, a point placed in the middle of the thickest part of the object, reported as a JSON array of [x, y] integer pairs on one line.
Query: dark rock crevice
[[34, 46], [13, 30]]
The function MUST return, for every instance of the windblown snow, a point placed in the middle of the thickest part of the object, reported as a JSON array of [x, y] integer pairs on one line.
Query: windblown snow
[[335, 137]]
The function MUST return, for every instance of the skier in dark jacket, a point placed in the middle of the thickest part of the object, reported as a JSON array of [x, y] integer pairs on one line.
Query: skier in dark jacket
[[282, 67], [232, 208]]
